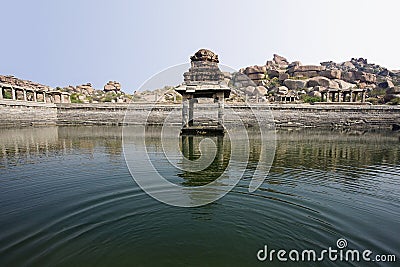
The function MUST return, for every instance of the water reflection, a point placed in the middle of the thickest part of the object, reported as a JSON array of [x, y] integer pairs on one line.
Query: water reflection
[[190, 149], [65, 203], [31, 145], [318, 150]]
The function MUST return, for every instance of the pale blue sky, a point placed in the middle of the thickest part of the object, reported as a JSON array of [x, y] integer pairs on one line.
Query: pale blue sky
[[73, 42]]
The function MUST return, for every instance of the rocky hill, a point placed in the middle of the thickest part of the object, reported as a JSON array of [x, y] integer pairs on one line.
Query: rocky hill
[[279, 77], [276, 80]]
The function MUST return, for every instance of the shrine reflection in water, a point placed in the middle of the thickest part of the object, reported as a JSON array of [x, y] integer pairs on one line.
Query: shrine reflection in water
[[67, 199]]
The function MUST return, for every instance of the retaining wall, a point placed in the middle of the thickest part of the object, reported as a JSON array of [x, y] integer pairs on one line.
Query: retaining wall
[[22, 113]]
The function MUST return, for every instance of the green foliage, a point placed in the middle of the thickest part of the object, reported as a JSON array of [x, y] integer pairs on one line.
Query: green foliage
[[7, 94], [75, 98], [274, 82], [377, 92], [374, 100], [394, 101], [107, 99], [310, 99]]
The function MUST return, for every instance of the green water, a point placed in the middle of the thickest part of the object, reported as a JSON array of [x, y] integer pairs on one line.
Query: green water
[[67, 199]]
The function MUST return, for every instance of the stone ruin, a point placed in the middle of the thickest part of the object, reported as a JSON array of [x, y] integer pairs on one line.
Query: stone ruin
[[204, 67], [350, 81], [204, 79], [12, 88]]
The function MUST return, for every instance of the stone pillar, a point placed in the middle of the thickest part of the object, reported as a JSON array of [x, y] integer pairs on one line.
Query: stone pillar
[[191, 111], [191, 148], [221, 109], [34, 96], [246, 98], [44, 97], [24, 92], [363, 96], [185, 146], [1, 93], [220, 150], [61, 98], [185, 107], [339, 97], [13, 96]]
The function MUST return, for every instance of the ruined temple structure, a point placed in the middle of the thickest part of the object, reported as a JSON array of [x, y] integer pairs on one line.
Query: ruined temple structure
[[15, 89], [203, 79], [342, 95]]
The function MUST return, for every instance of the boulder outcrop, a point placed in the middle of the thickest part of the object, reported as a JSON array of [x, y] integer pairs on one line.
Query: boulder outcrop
[[112, 86]]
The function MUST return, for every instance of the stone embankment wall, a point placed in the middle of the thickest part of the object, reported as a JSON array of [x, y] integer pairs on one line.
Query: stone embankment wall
[[336, 116], [14, 113], [21, 113]]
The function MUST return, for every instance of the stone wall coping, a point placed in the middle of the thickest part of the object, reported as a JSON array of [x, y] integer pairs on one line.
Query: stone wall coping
[[9, 102]]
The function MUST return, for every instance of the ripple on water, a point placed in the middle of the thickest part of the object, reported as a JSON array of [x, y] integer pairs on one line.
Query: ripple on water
[[69, 200]]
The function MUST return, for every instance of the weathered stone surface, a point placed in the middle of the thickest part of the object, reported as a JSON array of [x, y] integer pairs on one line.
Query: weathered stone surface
[[331, 74], [204, 67], [315, 94], [255, 69], [295, 84], [14, 81], [334, 85], [319, 88], [353, 76], [365, 77], [303, 92], [86, 89], [273, 73], [294, 64], [205, 55], [306, 68], [348, 64], [282, 90], [322, 116], [270, 64], [386, 84], [260, 90], [249, 90], [349, 76], [384, 72], [319, 81], [345, 85], [307, 74], [280, 60], [112, 86], [283, 76], [256, 76]]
